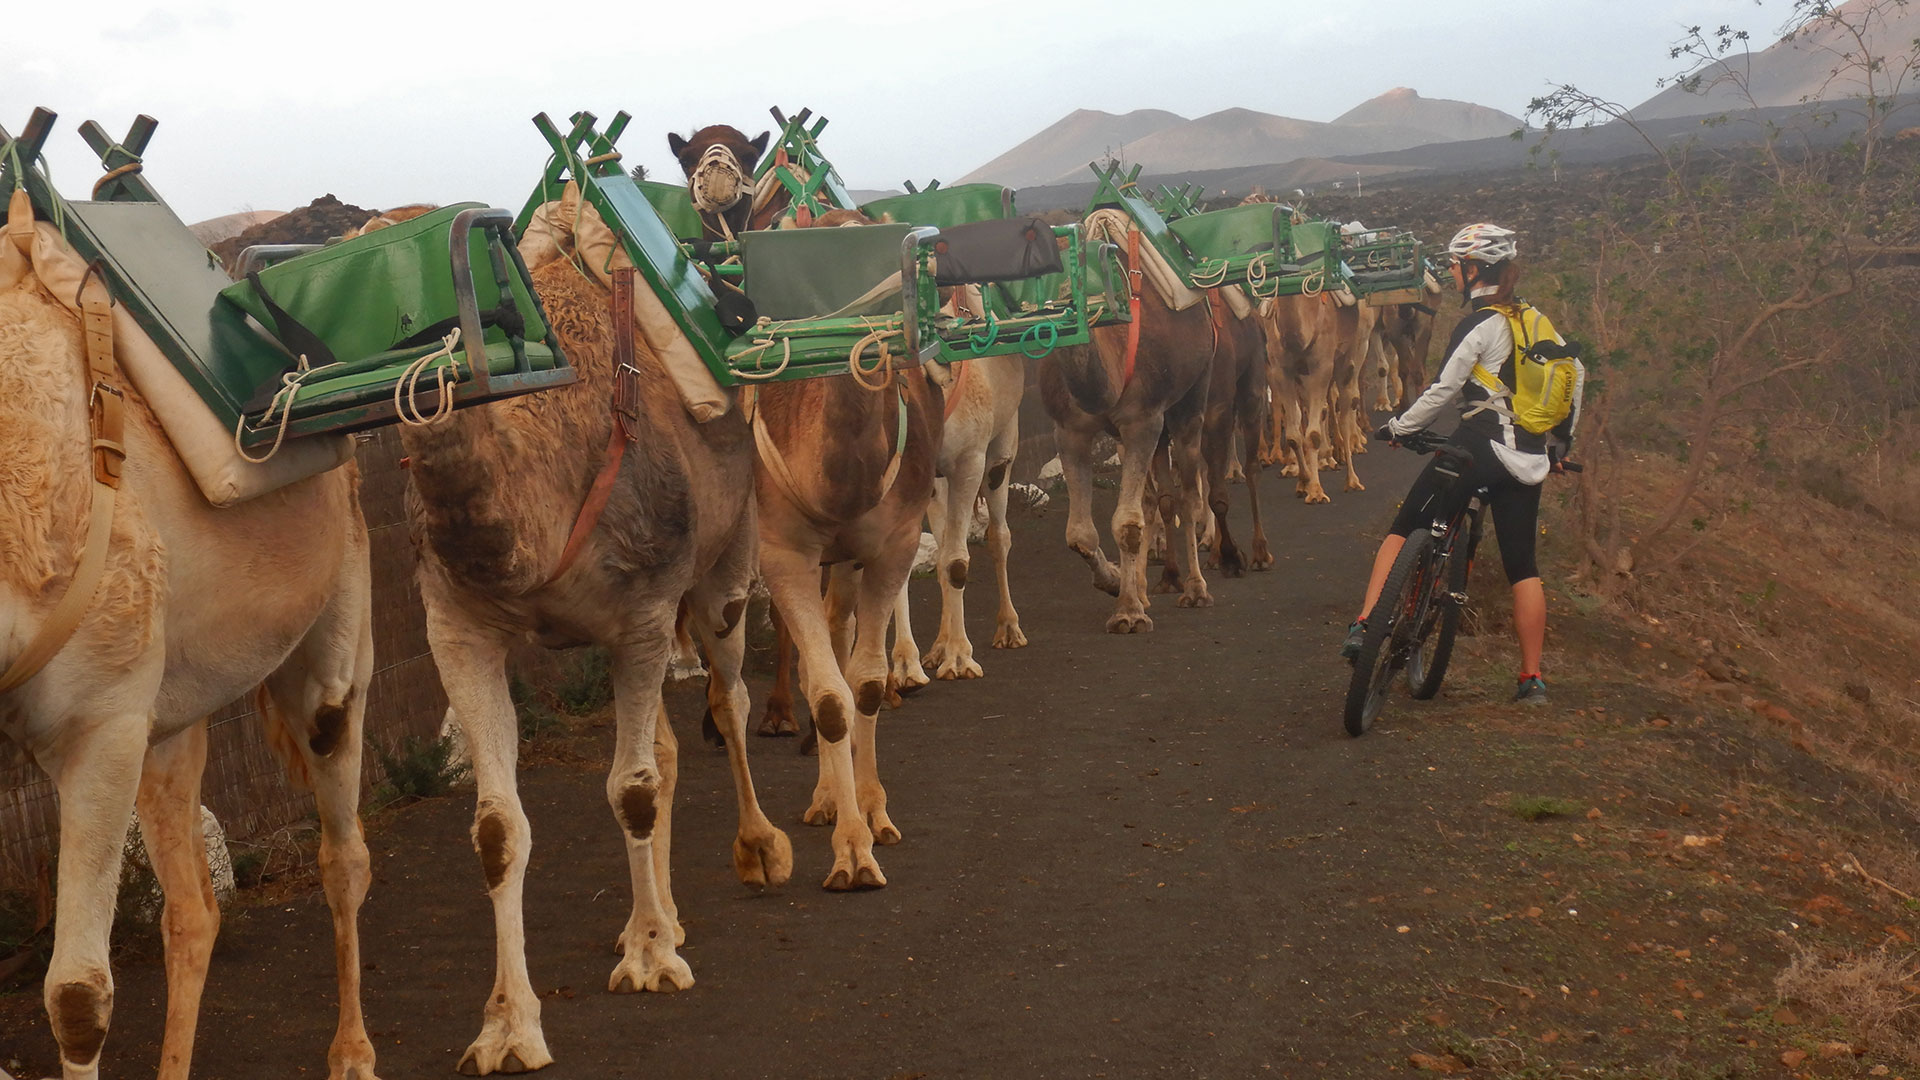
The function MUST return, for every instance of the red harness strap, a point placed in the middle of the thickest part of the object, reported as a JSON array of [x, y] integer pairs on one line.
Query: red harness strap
[[1133, 308], [960, 369], [626, 408]]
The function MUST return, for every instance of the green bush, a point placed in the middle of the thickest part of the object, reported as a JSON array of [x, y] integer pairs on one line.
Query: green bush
[[421, 768], [586, 682]]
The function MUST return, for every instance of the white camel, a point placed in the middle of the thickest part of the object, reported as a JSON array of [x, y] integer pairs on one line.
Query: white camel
[[979, 437], [193, 607]]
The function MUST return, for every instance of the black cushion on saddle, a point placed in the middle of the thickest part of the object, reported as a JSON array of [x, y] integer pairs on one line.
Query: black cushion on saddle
[[995, 251]]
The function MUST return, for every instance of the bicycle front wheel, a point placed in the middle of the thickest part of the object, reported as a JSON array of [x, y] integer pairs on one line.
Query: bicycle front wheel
[[1427, 663], [1391, 629]]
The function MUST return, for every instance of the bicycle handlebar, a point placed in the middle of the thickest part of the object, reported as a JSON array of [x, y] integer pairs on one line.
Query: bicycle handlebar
[[1429, 442]]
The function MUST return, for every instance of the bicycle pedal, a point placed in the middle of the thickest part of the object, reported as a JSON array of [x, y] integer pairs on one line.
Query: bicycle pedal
[[1459, 599]]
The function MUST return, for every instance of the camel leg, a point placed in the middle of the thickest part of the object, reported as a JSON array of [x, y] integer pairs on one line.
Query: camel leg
[[1184, 424], [886, 571], [472, 661], [634, 790], [906, 666], [1308, 439], [1217, 446], [169, 805], [1076, 465], [843, 588], [1139, 440], [762, 854], [1161, 509], [937, 516], [778, 719], [1259, 557], [320, 695], [1006, 628], [794, 579], [951, 565], [97, 774], [666, 759]]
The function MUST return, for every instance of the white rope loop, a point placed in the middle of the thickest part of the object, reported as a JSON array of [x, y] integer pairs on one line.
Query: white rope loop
[[406, 401], [291, 383]]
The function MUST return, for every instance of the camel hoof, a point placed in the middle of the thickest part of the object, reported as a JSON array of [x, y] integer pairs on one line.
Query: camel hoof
[[848, 877], [777, 725], [960, 669], [820, 813], [1262, 559], [497, 1052], [885, 832], [1231, 564], [761, 862], [1129, 624], [1355, 485], [1009, 637], [640, 973], [1197, 598], [1168, 583]]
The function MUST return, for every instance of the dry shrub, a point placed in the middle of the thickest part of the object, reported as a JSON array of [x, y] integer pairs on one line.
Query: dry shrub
[[1870, 994]]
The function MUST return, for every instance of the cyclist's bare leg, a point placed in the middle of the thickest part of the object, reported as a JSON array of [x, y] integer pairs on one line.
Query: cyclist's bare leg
[[1382, 566], [1530, 622]]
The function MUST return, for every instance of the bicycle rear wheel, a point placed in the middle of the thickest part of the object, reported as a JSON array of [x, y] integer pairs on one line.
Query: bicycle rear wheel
[[1427, 663], [1390, 630]]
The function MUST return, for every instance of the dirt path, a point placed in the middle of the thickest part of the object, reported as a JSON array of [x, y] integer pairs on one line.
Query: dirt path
[[1124, 857]]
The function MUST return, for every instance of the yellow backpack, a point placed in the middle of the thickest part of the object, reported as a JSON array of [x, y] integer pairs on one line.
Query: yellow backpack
[[1545, 374]]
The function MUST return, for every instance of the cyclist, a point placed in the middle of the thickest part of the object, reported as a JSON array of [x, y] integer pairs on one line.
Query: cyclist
[[1508, 460]]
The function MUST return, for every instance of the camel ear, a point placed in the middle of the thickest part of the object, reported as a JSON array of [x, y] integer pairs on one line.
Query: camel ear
[[760, 143], [675, 143]]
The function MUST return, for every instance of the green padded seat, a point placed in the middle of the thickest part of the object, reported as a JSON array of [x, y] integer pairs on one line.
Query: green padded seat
[[674, 206], [1231, 233], [945, 207], [379, 303], [810, 273]]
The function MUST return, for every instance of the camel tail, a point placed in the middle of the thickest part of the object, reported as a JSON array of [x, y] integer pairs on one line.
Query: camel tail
[[282, 738]]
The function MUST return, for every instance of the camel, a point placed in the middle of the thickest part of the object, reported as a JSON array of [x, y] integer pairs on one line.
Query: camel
[[1406, 331], [1236, 405], [495, 493], [1311, 344], [1135, 395], [980, 434], [838, 480], [194, 607]]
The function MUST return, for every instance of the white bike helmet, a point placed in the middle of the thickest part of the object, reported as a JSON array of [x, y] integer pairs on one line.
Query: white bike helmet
[[1484, 242]]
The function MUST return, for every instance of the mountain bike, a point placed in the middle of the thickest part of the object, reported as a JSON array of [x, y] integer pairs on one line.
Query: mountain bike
[[1413, 624]]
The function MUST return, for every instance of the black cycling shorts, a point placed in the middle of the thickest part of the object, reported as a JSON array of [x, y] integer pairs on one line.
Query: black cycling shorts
[[1514, 506]]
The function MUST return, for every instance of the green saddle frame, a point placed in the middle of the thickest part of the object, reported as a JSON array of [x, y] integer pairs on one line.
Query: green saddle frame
[[174, 288]]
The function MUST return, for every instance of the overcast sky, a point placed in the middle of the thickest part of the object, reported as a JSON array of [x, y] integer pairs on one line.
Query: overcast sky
[[267, 105]]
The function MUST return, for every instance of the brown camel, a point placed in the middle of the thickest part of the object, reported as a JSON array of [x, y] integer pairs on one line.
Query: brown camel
[[1236, 405], [1406, 330], [192, 608], [1160, 388], [495, 492], [1313, 345], [839, 484]]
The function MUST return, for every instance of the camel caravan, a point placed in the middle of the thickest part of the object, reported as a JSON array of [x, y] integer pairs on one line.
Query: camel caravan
[[624, 407]]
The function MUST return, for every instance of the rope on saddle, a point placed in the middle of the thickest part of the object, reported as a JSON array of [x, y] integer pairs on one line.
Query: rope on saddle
[[128, 169], [106, 431], [626, 412], [1133, 308], [406, 402]]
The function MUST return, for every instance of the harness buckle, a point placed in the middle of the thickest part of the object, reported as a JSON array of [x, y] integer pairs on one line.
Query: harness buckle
[[107, 409]]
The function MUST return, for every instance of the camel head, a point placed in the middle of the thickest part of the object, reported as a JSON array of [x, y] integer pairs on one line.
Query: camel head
[[718, 162]]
